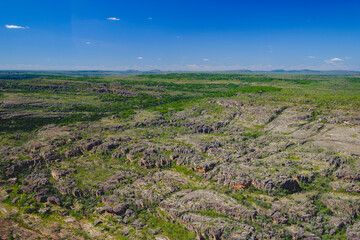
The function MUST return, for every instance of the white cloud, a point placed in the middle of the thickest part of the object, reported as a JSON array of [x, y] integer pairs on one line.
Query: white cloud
[[311, 57], [113, 19], [15, 27], [88, 43], [205, 59], [334, 60], [150, 18], [139, 58]]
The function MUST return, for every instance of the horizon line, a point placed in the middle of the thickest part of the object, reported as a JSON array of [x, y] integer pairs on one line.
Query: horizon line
[[174, 71]]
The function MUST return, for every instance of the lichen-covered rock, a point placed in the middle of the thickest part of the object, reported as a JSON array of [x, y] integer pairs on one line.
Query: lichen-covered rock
[[57, 174], [240, 183], [35, 182], [89, 144], [346, 173], [54, 200], [120, 209], [265, 185], [353, 232]]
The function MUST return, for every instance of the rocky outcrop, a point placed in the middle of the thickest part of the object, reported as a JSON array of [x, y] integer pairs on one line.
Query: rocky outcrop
[[201, 200], [353, 232], [35, 182], [290, 185], [240, 183], [54, 200], [120, 209], [57, 174], [229, 103], [89, 144], [265, 185], [205, 167], [348, 174]]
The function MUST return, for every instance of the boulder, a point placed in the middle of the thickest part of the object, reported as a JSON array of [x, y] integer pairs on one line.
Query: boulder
[[54, 200], [120, 209], [290, 185]]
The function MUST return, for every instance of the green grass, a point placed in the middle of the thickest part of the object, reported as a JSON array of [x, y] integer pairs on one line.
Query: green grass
[[172, 230], [91, 105], [186, 171]]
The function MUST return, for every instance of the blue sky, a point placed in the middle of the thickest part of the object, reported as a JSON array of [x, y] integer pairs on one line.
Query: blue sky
[[179, 35]]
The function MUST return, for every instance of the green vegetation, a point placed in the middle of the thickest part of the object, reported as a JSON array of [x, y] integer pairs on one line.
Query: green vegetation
[[172, 230], [181, 154]]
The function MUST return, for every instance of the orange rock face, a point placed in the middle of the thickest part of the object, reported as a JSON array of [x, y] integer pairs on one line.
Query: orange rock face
[[241, 185], [200, 169]]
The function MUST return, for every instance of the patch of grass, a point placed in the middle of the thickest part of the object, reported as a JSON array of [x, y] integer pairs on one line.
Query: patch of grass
[[25, 124], [186, 171], [172, 230]]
